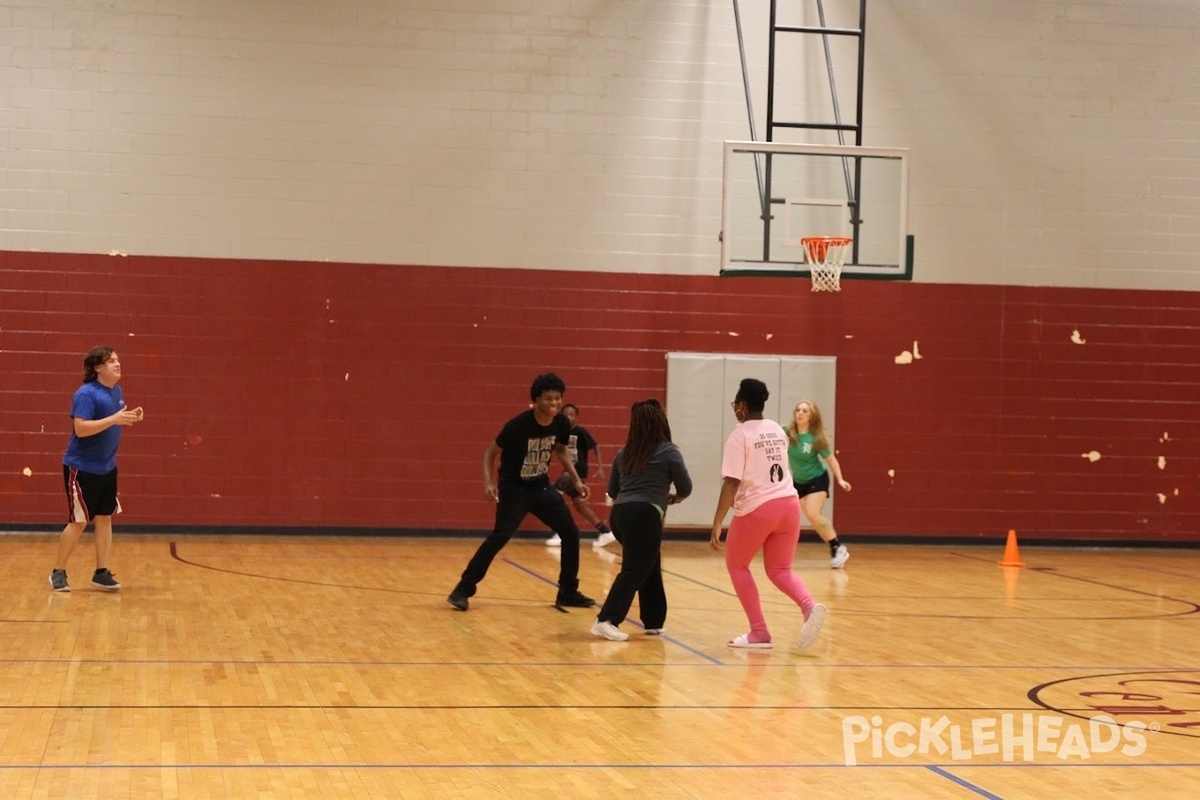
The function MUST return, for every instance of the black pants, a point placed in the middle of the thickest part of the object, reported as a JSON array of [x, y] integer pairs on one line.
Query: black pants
[[639, 527], [517, 500]]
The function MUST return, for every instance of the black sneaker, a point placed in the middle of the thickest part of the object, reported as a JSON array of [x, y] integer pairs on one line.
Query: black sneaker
[[575, 599], [458, 600], [103, 579], [58, 581]]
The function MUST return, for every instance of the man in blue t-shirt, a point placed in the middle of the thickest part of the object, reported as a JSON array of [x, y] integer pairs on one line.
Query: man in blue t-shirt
[[90, 465], [525, 446]]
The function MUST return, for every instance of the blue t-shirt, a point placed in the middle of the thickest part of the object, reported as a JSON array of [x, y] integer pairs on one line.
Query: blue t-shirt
[[98, 453]]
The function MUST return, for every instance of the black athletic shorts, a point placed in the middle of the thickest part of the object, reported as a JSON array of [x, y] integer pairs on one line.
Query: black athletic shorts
[[90, 495], [817, 484]]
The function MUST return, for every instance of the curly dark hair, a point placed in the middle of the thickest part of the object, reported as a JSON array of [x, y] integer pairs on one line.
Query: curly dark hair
[[546, 382]]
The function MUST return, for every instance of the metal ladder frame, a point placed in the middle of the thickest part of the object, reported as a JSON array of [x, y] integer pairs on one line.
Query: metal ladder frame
[[852, 175]]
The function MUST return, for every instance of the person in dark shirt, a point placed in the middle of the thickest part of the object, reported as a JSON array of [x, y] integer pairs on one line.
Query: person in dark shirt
[[525, 445], [579, 445], [640, 482]]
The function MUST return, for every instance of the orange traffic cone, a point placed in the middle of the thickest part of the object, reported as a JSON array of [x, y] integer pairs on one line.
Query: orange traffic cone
[[1012, 556]]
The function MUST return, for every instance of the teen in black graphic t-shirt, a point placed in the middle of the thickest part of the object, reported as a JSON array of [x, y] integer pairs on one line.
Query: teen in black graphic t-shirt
[[580, 442], [579, 445], [525, 445]]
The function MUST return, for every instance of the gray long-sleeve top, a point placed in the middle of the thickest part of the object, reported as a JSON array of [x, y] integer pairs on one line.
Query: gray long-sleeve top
[[652, 484]]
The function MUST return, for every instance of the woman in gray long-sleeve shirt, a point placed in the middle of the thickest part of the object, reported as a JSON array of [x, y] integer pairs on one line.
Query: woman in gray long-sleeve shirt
[[640, 481]]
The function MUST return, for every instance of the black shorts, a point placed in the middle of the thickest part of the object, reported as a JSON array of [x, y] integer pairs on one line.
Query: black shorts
[[564, 485], [90, 495], [817, 484]]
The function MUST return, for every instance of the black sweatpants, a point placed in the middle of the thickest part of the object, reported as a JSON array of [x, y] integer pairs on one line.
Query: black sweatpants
[[639, 527], [516, 501]]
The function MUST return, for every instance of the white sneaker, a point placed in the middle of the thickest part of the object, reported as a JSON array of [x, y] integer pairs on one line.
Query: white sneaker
[[605, 538], [812, 626], [554, 541], [605, 556], [655, 631], [743, 641], [839, 559], [606, 630]]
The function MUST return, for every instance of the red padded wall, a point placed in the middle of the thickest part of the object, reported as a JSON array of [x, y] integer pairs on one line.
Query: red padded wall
[[337, 396]]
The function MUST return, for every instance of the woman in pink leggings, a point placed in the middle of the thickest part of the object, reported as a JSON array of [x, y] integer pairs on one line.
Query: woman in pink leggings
[[766, 516]]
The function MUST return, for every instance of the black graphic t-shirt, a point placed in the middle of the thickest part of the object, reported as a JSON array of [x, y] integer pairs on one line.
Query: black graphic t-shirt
[[578, 446], [526, 447]]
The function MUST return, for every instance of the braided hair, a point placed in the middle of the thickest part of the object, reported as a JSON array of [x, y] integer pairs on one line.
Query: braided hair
[[648, 428]]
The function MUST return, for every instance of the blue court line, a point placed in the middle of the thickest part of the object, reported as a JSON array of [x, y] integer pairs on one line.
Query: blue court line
[[529, 571], [710, 659], [964, 783], [700, 583], [676, 642]]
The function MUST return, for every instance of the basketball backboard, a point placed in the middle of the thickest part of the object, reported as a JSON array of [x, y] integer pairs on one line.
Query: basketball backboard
[[775, 193]]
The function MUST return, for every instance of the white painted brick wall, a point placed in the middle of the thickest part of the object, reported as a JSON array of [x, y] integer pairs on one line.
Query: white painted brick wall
[[1076, 125], [1052, 142]]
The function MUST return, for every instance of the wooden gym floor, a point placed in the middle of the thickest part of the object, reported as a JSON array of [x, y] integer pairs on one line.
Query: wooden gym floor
[[333, 667]]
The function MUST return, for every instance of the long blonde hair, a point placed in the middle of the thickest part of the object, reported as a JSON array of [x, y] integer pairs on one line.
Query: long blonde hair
[[815, 427]]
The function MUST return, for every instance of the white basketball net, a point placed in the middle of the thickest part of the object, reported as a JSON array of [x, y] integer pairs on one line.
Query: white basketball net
[[826, 255]]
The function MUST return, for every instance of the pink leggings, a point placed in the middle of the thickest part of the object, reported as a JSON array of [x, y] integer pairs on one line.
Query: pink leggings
[[774, 528]]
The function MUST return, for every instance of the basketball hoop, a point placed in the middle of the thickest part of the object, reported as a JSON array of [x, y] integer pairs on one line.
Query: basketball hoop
[[826, 255]]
